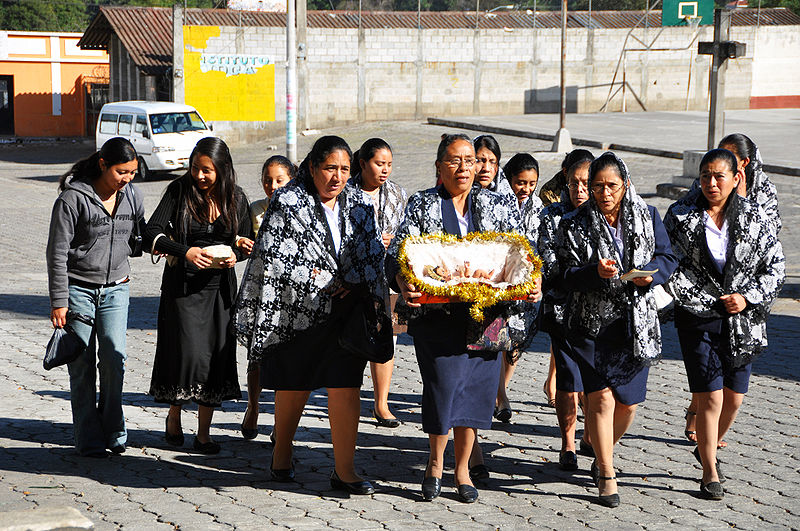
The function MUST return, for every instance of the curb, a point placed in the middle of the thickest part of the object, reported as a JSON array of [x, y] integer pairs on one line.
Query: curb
[[772, 168]]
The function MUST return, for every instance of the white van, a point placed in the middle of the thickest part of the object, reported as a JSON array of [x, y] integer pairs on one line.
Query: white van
[[164, 133]]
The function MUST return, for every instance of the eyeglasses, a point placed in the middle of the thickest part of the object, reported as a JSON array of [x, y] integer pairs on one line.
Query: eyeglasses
[[578, 186], [612, 188], [456, 163]]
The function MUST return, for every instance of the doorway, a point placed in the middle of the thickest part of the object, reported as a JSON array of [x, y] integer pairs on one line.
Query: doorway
[[6, 105]]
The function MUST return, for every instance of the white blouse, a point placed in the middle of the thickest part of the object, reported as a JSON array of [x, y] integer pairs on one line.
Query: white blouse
[[616, 235], [332, 217], [717, 240], [463, 222]]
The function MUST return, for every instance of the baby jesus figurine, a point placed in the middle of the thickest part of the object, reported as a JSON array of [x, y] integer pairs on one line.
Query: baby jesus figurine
[[462, 272]]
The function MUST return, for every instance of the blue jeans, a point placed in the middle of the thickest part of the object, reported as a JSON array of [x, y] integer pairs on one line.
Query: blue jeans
[[99, 424]]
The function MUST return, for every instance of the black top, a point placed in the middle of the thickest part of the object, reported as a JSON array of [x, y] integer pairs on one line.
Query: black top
[[184, 232]]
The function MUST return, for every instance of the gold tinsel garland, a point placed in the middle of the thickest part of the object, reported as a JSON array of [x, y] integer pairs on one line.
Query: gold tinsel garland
[[480, 294]]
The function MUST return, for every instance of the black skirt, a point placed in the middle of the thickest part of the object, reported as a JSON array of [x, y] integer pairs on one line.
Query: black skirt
[[313, 359], [196, 349]]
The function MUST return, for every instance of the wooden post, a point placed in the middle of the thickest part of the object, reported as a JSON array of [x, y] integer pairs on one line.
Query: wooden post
[[716, 81]]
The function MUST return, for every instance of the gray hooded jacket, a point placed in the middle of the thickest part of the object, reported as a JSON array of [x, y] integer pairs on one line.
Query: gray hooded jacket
[[86, 243]]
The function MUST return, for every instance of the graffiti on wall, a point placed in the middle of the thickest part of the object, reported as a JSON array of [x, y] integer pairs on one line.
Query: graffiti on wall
[[223, 85]]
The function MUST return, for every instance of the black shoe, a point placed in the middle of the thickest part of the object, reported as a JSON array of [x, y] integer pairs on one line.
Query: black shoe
[[478, 472], [503, 414], [712, 490], [467, 493], [585, 449], [248, 433], [118, 449], [431, 488], [385, 423], [720, 475], [172, 440], [207, 448], [568, 461], [608, 500], [356, 487], [281, 475]]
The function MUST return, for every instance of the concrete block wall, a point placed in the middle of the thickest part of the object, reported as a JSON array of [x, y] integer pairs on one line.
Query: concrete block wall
[[515, 71]]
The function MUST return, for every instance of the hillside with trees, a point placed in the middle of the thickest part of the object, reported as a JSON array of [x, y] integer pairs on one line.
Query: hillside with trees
[[74, 15]]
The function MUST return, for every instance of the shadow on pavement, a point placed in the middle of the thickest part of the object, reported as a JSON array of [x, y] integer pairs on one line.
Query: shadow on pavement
[[142, 315]]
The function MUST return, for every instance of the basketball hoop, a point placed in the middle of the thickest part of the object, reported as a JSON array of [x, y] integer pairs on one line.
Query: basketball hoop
[[693, 21]]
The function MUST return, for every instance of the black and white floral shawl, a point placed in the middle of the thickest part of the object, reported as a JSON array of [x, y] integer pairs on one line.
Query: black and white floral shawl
[[759, 189], [582, 238], [392, 200], [549, 220], [531, 213], [490, 212], [293, 270], [755, 268], [502, 186]]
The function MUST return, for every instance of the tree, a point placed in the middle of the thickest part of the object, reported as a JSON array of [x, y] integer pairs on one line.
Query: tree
[[43, 15]]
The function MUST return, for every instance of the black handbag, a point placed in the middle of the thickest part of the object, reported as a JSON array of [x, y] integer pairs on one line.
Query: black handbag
[[65, 345], [367, 331]]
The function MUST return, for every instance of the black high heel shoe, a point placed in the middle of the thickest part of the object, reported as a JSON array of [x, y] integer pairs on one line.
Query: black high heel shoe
[[467, 493], [385, 423], [172, 440], [281, 475], [431, 488], [608, 500], [362, 487], [248, 433]]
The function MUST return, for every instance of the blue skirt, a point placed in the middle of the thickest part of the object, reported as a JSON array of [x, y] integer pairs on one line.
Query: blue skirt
[[459, 386], [608, 361], [568, 374]]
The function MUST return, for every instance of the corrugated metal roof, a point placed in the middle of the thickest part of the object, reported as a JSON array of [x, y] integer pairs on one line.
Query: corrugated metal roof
[[146, 32]]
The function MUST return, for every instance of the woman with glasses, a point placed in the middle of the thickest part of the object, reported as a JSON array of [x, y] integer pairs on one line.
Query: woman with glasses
[[551, 315], [458, 385], [612, 324], [731, 270]]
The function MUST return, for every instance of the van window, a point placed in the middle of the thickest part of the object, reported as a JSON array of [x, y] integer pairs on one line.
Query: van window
[[125, 123], [108, 124], [141, 124], [176, 122]]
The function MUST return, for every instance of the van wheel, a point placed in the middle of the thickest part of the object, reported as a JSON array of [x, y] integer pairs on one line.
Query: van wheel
[[144, 172]]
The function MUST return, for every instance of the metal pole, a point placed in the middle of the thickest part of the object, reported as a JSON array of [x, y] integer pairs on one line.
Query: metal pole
[[291, 83], [178, 88], [563, 118]]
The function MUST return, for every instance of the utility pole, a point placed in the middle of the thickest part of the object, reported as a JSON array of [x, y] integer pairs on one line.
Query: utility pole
[[721, 49], [291, 83], [302, 68], [563, 142], [178, 89]]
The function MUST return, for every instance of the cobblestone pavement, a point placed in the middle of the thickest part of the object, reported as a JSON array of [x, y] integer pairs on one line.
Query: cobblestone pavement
[[153, 486]]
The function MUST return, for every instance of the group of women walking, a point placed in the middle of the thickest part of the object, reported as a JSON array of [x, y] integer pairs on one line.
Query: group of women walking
[[324, 247]]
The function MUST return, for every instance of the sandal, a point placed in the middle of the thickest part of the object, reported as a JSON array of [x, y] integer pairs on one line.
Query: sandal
[[691, 435], [551, 400]]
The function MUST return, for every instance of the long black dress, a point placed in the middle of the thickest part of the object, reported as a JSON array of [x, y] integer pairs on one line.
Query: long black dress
[[196, 349]]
